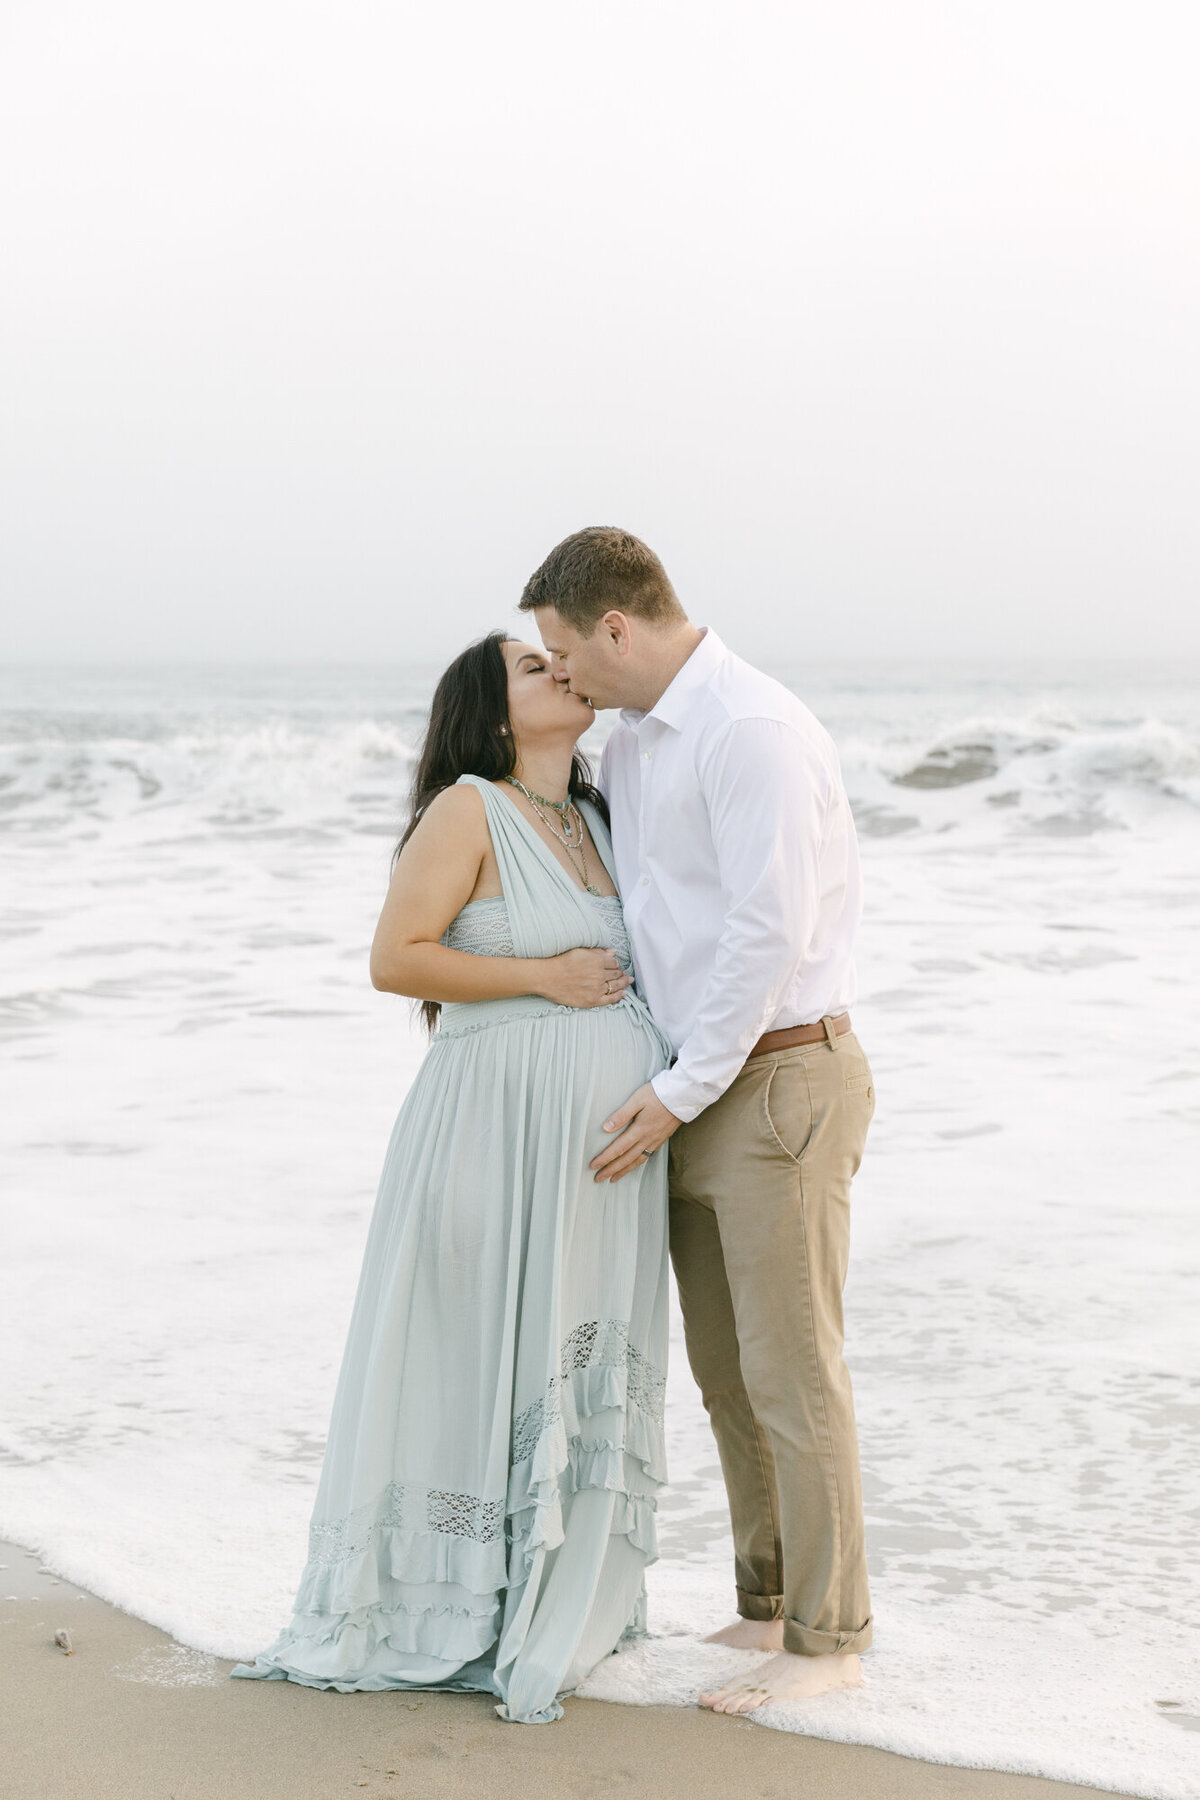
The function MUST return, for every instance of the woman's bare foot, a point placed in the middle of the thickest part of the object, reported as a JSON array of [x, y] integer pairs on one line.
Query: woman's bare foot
[[785, 1677], [750, 1634]]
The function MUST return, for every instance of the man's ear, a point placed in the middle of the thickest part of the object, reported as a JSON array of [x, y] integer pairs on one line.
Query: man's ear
[[617, 626]]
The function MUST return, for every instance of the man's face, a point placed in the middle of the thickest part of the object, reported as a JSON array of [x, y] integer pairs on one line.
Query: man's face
[[593, 667]]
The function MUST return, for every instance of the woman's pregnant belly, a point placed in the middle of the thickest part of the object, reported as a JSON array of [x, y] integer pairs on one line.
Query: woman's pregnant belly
[[541, 1054]]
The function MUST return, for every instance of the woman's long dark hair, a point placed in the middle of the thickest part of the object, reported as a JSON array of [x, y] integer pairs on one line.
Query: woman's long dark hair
[[469, 733]]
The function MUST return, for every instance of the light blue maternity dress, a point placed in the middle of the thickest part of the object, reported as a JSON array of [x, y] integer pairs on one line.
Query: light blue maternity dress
[[486, 1507]]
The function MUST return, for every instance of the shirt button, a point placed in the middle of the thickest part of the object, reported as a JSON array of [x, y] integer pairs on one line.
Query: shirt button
[[645, 881], [647, 754]]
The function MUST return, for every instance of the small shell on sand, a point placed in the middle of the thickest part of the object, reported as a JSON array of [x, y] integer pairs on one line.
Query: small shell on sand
[[63, 1640]]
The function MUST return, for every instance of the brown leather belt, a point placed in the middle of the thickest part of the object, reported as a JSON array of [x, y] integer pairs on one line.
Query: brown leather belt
[[801, 1034]]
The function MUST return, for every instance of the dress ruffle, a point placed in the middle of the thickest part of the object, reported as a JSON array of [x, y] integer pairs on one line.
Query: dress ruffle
[[440, 1595]]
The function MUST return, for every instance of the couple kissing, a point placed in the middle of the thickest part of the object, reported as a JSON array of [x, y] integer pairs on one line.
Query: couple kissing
[[637, 987]]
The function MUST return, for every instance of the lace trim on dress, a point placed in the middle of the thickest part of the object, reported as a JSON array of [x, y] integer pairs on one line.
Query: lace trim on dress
[[405, 1506], [482, 928], [599, 1343]]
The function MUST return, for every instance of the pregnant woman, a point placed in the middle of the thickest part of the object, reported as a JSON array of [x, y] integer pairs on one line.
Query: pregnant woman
[[486, 1507]]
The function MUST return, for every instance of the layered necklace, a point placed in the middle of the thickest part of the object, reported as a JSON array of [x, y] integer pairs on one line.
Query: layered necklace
[[568, 828]]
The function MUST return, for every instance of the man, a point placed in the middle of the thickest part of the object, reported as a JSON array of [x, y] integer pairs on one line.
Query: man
[[738, 867]]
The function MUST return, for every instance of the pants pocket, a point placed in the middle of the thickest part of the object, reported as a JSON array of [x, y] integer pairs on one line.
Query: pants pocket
[[788, 1109]]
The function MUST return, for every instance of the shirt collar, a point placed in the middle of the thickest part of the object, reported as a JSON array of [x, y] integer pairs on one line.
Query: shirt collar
[[672, 707]]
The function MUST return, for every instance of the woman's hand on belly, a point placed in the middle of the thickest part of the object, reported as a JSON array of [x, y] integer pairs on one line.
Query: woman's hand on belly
[[583, 978]]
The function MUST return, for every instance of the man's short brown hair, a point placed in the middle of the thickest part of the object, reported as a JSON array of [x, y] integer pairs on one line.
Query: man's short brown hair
[[599, 570]]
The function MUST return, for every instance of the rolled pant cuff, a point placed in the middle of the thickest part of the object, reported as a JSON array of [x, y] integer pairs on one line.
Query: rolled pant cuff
[[802, 1641], [759, 1606]]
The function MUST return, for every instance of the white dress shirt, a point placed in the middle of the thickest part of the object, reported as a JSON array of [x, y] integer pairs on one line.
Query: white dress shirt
[[737, 863]]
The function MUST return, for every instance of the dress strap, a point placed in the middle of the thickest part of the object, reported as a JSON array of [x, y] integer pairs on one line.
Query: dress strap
[[543, 901]]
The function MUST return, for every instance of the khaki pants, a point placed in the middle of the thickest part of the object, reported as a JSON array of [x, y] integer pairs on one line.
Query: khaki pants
[[760, 1236]]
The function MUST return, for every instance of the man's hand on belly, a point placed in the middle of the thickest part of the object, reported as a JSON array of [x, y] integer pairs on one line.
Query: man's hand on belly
[[639, 1127]]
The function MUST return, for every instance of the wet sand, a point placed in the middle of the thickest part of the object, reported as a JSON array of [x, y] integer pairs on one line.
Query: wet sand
[[131, 1715]]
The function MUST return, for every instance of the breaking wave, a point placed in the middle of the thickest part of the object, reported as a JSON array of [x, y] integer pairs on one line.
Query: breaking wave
[[277, 771], [1045, 776], [1033, 774]]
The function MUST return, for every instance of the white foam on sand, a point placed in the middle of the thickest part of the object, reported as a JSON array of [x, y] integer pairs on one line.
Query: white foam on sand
[[173, 1666], [200, 1083]]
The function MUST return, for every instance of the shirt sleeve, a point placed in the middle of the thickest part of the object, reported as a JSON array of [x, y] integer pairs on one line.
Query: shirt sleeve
[[768, 793]]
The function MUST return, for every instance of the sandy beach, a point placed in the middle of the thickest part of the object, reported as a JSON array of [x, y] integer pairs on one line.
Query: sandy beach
[[132, 1715]]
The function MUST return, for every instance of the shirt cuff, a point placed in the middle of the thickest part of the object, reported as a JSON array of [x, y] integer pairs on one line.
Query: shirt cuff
[[679, 1096]]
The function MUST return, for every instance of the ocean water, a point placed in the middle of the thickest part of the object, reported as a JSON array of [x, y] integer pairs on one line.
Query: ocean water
[[199, 1083]]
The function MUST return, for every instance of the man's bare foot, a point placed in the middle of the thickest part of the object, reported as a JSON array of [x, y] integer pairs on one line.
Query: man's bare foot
[[750, 1634], [786, 1677]]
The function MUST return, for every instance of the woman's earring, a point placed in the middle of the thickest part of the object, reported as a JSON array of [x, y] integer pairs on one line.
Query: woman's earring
[[504, 731]]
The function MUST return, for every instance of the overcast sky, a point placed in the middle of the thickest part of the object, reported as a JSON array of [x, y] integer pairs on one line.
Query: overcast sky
[[323, 322]]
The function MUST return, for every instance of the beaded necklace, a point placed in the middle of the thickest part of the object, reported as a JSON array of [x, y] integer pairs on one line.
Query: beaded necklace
[[568, 829]]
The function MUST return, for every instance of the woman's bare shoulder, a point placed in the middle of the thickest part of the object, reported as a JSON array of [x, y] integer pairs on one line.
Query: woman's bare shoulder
[[457, 812], [463, 800]]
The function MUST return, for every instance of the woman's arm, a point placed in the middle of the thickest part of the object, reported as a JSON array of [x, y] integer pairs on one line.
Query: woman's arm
[[434, 878]]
